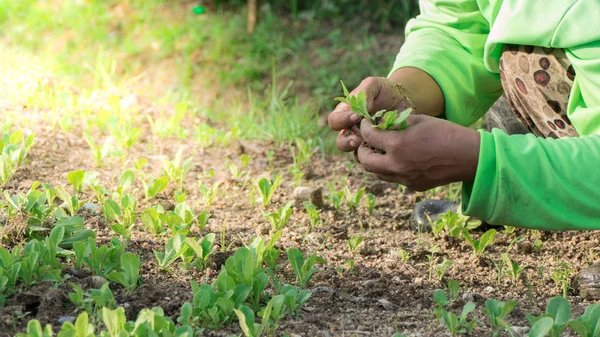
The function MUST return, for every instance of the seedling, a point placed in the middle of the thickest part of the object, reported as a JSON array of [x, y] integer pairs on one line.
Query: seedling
[[75, 178], [382, 119], [209, 194], [588, 324], [370, 203], [553, 321], [295, 298], [71, 203], [454, 223], [313, 213], [304, 153], [266, 188], [176, 169], [404, 255], [124, 215], [353, 243], [496, 312], [513, 269], [199, 251], [561, 277], [479, 245], [155, 220], [459, 325], [174, 248], [281, 217], [303, 268], [155, 186], [441, 268], [336, 199], [128, 277], [353, 200], [347, 268]]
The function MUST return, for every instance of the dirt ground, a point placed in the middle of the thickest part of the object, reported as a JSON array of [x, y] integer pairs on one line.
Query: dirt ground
[[382, 296]]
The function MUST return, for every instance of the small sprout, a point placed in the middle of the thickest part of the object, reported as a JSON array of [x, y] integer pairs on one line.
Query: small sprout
[[561, 277], [281, 217], [313, 213], [370, 203], [513, 269], [479, 245], [496, 312], [75, 178], [404, 255], [353, 200], [266, 188], [209, 194], [354, 242]]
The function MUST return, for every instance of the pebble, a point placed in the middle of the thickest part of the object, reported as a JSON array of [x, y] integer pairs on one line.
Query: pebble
[[126, 305], [489, 290], [369, 283], [65, 319], [387, 305], [314, 195], [90, 206], [521, 330], [418, 281], [468, 297], [97, 281], [167, 298]]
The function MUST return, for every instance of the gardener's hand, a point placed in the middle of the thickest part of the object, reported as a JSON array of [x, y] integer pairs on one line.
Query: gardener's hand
[[417, 90], [430, 152], [381, 93]]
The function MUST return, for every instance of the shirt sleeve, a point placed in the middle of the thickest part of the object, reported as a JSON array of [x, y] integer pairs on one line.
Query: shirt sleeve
[[531, 182], [447, 41]]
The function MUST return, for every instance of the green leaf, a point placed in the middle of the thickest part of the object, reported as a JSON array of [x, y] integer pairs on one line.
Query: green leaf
[[114, 320], [246, 318], [130, 264], [559, 309], [541, 327], [75, 178]]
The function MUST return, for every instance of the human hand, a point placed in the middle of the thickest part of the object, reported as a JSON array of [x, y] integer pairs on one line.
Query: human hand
[[430, 152], [381, 94]]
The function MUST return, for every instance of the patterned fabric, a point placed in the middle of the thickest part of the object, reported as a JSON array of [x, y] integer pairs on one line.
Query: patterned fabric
[[537, 82]]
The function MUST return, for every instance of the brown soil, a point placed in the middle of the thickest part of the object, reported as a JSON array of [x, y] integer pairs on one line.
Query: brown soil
[[382, 296]]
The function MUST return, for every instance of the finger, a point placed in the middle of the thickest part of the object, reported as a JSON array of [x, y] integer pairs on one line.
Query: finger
[[377, 138], [348, 141], [373, 162], [342, 117]]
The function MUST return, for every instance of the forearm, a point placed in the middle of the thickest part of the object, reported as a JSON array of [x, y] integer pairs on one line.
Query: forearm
[[421, 89]]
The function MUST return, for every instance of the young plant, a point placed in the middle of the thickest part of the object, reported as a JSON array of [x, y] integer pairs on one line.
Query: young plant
[[459, 325], [441, 268], [153, 187], [479, 245], [303, 268], [353, 243], [75, 178], [266, 188], [123, 215], [174, 248], [71, 203], [155, 220], [588, 324], [496, 312], [381, 119], [404, 255], [295, 298], [561, 277], [128, 277], [209, 194], [370, 203], [199, 251], [280, 218], [513, 269], [353, 200], [247, 321], [176, 169], [553, 321], [454, 223], [313, 213]]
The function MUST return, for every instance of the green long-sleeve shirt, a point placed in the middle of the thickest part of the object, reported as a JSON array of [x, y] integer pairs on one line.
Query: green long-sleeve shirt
[[521, 180]]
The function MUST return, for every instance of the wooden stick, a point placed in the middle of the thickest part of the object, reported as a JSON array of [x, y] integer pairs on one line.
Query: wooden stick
[[252, 13]]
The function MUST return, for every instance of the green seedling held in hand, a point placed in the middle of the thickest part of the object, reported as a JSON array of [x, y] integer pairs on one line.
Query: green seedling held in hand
[[382, 119]]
